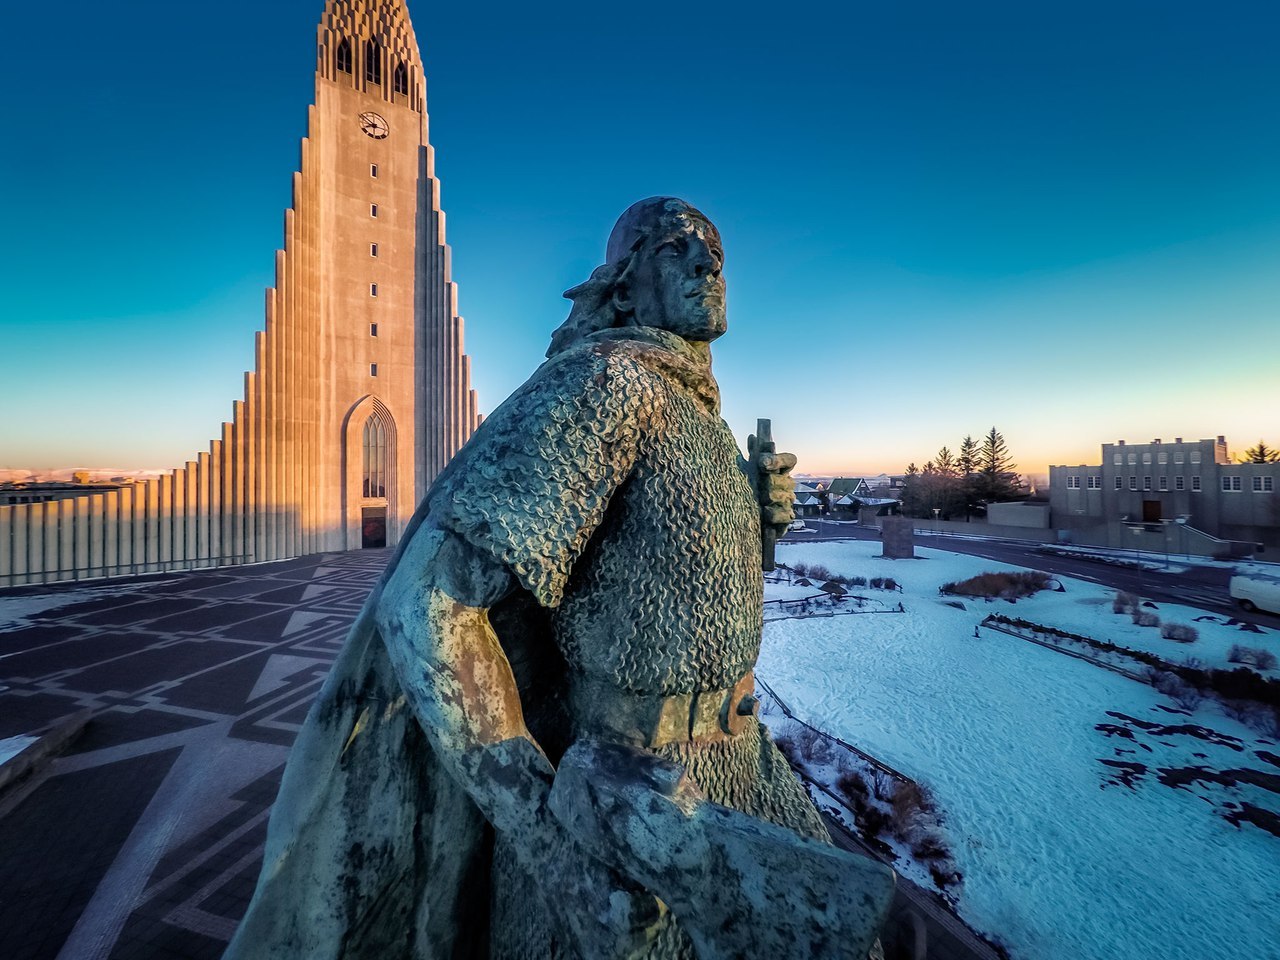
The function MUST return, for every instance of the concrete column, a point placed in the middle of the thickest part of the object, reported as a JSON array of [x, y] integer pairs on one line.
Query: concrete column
[[192, 511], [6, 546], [178, 504], [138, 527], [36, 572], [227, 499], [21, 527], [214, 478], [66, 536], [110, 533], [290, 380], [257, 480], [270, 429], [152, 494], [202, 505], [240, 503], [81, 565], [164, 497], [97, 532], [124, 533], [49, 530]]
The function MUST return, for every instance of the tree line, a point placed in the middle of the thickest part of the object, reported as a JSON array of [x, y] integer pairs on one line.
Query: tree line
[[960, 485]]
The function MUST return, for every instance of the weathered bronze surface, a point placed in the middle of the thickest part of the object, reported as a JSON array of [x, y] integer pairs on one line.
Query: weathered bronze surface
[[580, 590]]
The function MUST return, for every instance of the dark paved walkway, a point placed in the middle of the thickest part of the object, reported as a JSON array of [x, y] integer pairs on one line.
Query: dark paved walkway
[[144, 837]]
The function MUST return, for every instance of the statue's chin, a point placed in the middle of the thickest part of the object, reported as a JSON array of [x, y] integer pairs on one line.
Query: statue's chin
[[705, 326]]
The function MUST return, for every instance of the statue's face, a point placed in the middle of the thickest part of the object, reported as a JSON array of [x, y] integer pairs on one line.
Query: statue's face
[[676, 280]]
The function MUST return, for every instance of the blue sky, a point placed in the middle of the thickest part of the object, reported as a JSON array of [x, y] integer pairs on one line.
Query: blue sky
[[1062, 220]]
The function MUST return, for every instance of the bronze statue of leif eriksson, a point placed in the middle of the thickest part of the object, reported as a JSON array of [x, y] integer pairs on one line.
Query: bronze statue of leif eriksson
[[540, 739]]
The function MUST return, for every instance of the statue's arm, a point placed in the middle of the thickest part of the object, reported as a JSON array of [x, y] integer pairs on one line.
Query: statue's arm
[[433, 617]]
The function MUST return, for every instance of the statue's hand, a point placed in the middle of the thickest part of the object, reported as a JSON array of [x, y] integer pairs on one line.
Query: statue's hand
[[602, 913], [779, 489], [606, 915]]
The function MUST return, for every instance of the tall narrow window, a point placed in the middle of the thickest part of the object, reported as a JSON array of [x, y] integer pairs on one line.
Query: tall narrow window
[[373, 289], [373, 329], [344, 56], [373, 209], [373, 249], [373, 170], [373, 369], [373, 62], [375, 457], [400, 79]]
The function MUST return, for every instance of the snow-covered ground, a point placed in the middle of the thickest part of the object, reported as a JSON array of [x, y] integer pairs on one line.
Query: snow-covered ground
[[1028, 752]]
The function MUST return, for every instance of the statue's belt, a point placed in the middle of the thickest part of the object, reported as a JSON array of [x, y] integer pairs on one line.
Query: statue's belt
[[651, 720]]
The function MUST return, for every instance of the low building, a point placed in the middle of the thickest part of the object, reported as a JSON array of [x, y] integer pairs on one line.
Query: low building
[[1191, 483]]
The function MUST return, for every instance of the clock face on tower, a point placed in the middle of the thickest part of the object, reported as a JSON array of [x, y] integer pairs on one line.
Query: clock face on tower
[[374, 126]]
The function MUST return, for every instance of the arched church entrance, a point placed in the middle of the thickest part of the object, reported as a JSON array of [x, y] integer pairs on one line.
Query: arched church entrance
[[370, 488]]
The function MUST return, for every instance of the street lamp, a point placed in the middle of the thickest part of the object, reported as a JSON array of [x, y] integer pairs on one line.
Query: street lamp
[[1137, 554], [937, 527]]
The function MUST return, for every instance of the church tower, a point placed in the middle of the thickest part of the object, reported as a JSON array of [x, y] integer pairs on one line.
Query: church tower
[[360, 391]]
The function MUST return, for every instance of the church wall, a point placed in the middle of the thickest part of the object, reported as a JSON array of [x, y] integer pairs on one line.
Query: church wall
[[275, 482]]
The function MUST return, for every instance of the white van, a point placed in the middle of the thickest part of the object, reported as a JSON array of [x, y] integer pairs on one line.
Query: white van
[[1256, 593]]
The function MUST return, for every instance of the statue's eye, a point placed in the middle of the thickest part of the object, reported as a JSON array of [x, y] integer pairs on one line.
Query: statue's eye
[[670, 248]]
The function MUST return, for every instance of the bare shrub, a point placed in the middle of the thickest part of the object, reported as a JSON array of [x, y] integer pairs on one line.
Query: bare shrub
[[882, 785], [1258, 717], [1252, 656], [910, 805], [813, 746], [819, 572], [1181, 632], [1124, 602], [890, 583], [851, 784], [1004, 586], [929, 846], [871, 818], [877, 583], [1178, 690], [944, 875], [800, 569], [857, 581], [1144, 619]]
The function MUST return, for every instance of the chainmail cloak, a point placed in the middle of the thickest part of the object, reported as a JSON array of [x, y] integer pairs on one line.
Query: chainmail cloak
[[609, 486]]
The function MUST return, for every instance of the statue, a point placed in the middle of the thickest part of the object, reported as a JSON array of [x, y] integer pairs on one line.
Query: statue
[[540, 739]]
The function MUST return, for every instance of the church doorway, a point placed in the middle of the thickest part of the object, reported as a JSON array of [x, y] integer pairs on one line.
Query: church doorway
[[373, 528]]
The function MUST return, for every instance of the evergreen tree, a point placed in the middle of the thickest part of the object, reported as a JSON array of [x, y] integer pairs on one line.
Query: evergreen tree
[[909, 503], [949, 498], [966, 466], [996, 479], [1260, 454]]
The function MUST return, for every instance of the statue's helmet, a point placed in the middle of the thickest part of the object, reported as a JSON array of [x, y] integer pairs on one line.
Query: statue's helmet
[[643, 218]]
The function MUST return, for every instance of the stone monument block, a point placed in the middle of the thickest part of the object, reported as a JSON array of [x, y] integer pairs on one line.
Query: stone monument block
[[899, 536]]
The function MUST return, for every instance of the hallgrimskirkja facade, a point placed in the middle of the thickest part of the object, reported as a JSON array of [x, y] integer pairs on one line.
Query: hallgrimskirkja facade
[[360, 391]]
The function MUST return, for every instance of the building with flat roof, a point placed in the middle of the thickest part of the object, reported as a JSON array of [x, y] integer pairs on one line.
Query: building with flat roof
[[1189, 482]]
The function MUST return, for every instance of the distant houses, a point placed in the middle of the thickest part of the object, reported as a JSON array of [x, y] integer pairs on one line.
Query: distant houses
[[846, 498]]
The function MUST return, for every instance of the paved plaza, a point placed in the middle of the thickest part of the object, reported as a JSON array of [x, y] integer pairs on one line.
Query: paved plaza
[[144, 837]]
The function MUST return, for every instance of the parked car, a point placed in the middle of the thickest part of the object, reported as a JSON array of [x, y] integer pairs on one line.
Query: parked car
[[796, 524], [1256, 593]]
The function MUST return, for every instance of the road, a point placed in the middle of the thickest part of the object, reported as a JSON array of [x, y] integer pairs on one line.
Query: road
[[1199, 586]]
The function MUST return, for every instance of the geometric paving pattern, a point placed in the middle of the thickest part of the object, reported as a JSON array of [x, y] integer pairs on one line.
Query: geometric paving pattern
[[144, 837]]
